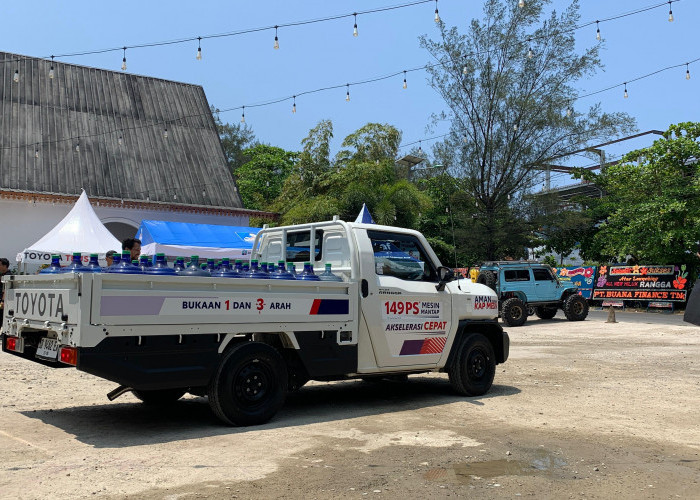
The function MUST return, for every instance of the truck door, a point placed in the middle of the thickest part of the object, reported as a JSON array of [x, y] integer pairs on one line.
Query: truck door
[[408, 319]]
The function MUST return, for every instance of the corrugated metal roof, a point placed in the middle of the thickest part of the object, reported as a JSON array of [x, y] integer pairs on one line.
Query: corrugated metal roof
[[43, 119]]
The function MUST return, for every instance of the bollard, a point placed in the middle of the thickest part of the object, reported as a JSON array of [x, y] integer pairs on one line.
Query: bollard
[[611, 315]]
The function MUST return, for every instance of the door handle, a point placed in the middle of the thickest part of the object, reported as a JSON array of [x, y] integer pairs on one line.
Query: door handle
[[364, 288]]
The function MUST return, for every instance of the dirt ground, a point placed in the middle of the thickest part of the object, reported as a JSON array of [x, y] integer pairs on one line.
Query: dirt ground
[[580, 410]]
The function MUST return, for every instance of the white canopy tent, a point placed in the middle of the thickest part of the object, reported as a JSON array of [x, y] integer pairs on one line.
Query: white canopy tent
[[79, 231]]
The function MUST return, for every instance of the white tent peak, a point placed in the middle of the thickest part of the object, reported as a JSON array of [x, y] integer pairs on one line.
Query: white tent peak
[[79, 231]]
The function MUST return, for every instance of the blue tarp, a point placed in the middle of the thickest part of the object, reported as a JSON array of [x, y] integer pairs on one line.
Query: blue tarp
[[205, 240]]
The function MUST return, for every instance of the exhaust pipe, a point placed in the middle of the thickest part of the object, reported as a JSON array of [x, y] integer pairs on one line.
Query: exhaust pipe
[[112, 395]]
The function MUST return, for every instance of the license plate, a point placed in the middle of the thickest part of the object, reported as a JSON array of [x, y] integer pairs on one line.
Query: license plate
[[48, 349]]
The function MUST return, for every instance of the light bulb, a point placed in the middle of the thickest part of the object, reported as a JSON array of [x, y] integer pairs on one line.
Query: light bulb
[[277, 41], [670, 13], [77, 148], [243, 115], [199, 48], [16, 77], [464, 138], [124, 64], [687, 74], [521, 3], [51, 73], [515, 127], [36, 154], [294, 107], [530, 55], [465, 70], [165, 133], [347, 94], [405, 85], [121, 140], [626, 95], [597, 31], [569, 112], [354, 28], [437, 16]]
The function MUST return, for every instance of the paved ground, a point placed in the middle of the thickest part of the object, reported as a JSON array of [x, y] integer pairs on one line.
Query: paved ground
[[586, 410]]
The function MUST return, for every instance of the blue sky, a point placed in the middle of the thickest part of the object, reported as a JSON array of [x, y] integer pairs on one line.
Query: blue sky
[[245, 69]]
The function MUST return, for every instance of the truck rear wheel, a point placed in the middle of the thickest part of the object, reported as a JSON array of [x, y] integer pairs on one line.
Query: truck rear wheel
[[575, 308], [249, 385], [514, 312], [474, 367], [544, 312], [160, 396]]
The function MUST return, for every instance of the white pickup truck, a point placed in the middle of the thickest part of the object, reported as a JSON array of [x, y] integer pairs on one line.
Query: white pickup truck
[[246, 342]]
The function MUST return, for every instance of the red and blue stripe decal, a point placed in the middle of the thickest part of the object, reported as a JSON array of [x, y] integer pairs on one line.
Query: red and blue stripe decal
[[330, 306], [433, 345]]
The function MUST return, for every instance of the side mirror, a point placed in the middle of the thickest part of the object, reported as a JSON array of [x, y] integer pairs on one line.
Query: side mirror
[[445, 275]]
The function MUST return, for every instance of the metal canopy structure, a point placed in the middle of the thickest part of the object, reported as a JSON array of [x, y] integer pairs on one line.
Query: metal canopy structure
[[410, 161], [588, 189]]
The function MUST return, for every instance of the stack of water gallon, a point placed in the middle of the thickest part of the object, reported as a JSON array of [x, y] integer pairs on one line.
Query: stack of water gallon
[[222, 269]]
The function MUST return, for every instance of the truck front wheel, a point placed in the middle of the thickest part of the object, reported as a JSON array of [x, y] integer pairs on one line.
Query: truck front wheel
[[250, 384], [474, 367]]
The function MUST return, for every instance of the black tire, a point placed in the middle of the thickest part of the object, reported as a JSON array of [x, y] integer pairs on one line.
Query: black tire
[[546, 312], [531, 310], [474, 366], [250, 384], [514, 312], [160, 397], [575, 308], [487, 278]]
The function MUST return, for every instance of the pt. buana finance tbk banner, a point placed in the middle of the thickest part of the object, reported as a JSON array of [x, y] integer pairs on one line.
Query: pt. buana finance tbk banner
[[625, 282]]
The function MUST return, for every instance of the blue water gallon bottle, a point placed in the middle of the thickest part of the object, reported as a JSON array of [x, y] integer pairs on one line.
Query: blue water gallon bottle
[[194, 268], [94, 264], [54, 267], [328, 275], [124, 265], [254, 271], [292, 269], [211, 265], [308, 273], [280, 273], [145, 262], [179, 264], [76, 266], [161, 267]]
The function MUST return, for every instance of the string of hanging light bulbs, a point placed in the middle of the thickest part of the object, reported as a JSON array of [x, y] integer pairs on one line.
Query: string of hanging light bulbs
[[370, 80]]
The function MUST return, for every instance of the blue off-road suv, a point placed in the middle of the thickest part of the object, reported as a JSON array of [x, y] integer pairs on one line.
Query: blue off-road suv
[[526, 288]]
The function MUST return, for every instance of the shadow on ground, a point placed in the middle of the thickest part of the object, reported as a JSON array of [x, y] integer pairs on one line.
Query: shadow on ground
[[118, 425]]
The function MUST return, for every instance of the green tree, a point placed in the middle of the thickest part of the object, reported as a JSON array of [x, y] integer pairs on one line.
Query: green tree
[[651, 211], [234, 140], [261, 177], [508, 83], [362, 172]]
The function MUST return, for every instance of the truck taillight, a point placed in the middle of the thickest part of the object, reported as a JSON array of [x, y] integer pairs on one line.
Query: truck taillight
[[15, 344], [68, 355]]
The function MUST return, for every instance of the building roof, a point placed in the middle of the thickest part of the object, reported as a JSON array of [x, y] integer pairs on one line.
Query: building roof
[[105, 132]]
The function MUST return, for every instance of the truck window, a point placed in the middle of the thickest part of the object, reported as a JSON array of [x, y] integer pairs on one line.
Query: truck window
[[542, 275], [516, 275], [401, 256], [298, 249]]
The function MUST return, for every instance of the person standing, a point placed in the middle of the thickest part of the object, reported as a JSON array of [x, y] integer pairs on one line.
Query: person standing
[[4, 271], [133, 245]]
